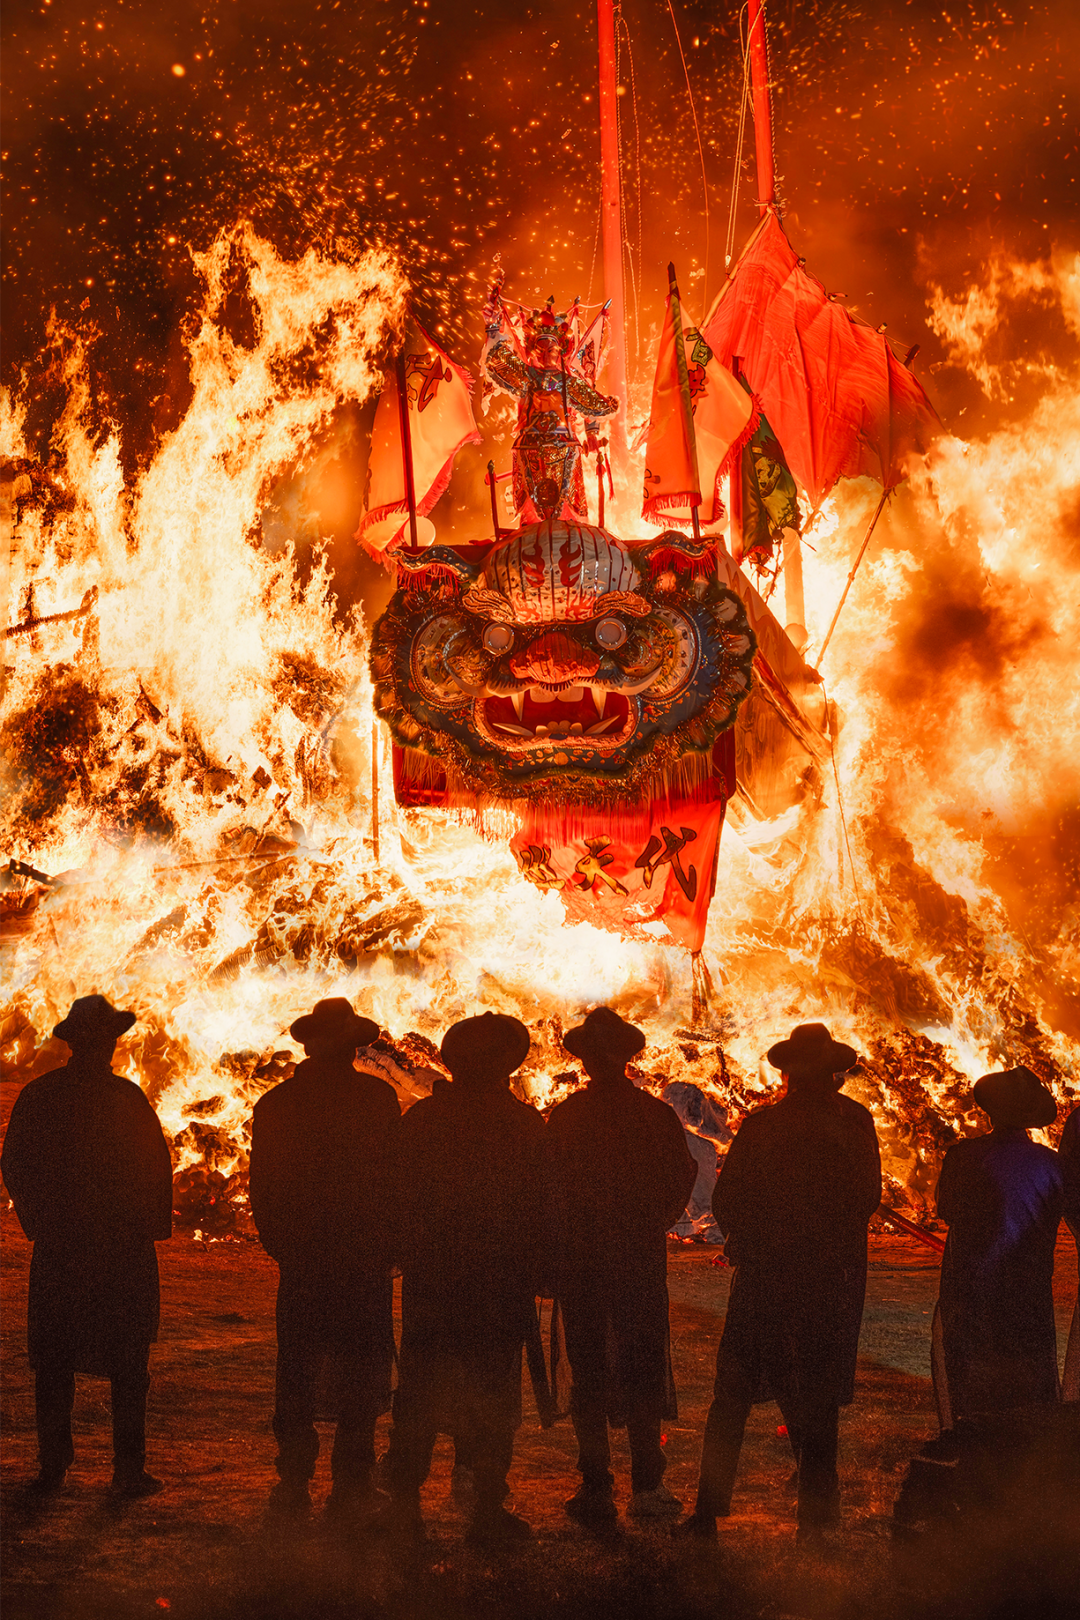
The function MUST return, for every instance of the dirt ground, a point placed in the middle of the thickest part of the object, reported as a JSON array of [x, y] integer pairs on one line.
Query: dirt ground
[[202, 1551]]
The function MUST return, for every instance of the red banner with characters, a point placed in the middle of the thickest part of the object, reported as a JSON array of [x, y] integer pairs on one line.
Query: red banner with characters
[[658, 865]]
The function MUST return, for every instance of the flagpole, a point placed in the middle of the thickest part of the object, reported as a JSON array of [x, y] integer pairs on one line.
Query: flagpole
[[490, 481], [758, 44], [406, 445], [612, 229], [854, 570], [684, 388], [375, 790], [759, 79]]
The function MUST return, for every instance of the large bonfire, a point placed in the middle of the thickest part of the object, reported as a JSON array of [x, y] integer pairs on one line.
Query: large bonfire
[[200, 824]]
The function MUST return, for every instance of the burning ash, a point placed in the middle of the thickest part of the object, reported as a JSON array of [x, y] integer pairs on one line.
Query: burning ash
[[189, 759]]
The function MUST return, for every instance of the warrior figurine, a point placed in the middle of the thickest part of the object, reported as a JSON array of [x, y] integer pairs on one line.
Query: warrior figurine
[[537, 368]]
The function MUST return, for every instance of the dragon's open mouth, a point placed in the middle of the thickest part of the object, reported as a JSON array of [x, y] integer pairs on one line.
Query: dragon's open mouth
[[587, 713]]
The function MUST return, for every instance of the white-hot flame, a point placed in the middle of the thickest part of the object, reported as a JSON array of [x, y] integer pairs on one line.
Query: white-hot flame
[[195, 753]]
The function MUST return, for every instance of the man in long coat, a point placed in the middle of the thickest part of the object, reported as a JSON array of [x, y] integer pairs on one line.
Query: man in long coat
[[622, 1175], [88, 1170], [471, 1235], [321, 1148], [1002, 1196], [795, 1195], [1069, 1153]]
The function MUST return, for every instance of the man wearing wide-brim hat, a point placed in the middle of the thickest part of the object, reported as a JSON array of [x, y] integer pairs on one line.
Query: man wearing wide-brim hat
[[88, 1170], [470, 1237], [320, 1180], [622, 1174], [1002, 1196], [795, 1195]]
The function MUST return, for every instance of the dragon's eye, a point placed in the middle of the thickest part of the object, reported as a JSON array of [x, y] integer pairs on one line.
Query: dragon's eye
[[498, 638], [610, 633]]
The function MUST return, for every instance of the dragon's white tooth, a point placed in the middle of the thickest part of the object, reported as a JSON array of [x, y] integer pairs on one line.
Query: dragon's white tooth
[[515, 731], [603, 725], [599, 697], [518, 700]]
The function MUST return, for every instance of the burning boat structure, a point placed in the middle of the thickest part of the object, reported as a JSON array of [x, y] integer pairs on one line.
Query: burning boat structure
[[222, 798]]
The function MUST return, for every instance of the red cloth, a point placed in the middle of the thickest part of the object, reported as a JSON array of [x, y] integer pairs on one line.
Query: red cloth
[[836, 396], [591, 856], [440, 423]]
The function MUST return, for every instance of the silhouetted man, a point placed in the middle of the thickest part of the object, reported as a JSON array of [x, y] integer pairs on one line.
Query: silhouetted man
[[622, 1174], [1002, 1197], [471, 1235], [88, 1170], [321, 1146], [1069, 1154], [796, 1192]]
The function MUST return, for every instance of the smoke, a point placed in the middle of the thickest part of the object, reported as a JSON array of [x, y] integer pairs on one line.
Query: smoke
[[449, 137], [191, 433]]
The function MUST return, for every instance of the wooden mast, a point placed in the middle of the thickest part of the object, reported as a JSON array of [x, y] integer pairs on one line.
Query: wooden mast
[[759, 79], [406, 444], [758, 47], [612, 231]]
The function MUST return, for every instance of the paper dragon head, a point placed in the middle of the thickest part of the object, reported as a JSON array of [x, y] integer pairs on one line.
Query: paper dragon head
[[566, 666]]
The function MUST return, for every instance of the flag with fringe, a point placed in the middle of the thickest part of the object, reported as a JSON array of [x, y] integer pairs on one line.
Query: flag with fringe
[[839, 400], [700, 420], [440, 422]]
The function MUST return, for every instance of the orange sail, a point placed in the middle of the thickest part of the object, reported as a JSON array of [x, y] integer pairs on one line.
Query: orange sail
[[839, 401]]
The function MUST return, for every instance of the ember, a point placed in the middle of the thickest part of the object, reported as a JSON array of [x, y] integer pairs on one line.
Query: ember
[[199, 813], [189, 822]]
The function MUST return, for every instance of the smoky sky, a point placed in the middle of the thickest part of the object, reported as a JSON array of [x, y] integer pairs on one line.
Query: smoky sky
[[913, 141]]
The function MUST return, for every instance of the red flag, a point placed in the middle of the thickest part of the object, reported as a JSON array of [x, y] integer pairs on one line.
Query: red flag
[[625, 869], [672, 481], [440, 422], [837, 398], [591, 349], [700, 418]]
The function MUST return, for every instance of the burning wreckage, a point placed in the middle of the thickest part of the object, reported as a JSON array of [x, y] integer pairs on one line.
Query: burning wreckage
[[205, 820]]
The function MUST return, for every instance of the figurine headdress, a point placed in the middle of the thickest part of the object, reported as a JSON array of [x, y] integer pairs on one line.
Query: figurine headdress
[[547, 325]]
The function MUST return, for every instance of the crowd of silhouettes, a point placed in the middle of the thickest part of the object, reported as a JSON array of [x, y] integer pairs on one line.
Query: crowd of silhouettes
[[483, 1206]]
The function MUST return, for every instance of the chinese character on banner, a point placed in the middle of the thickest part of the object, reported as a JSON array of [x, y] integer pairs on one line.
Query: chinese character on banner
[[668, 848], [592, 867], [535, 864], [661, 871]]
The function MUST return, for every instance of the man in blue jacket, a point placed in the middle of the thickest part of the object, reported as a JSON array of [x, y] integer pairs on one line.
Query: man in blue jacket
[[1002, 1196]]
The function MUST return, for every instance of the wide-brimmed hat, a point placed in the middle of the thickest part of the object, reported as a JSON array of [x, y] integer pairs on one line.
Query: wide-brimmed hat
[[811, 1049], [604, 1035], [1016, 1099], [334, 1019], [93, 1018], [489, 1041]]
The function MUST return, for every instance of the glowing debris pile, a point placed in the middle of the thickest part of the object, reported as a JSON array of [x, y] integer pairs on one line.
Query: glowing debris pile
[[188, 765]]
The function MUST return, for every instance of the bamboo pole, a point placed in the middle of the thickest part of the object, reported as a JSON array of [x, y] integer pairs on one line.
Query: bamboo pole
[[375, 790], [612, 230], [491, 482], [406, 445], [759, 78], [855, 569]]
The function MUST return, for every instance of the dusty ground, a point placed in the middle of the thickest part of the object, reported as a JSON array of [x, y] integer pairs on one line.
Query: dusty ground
[[201, 1551]]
